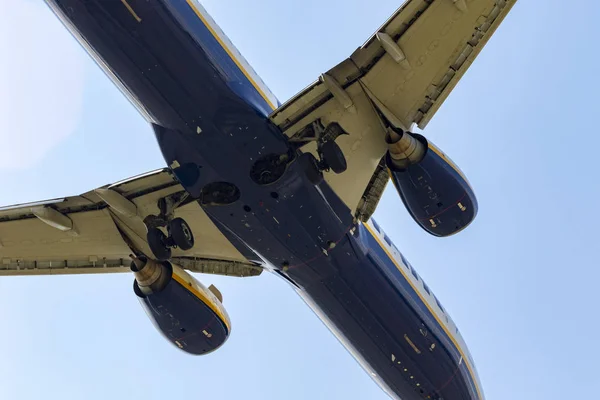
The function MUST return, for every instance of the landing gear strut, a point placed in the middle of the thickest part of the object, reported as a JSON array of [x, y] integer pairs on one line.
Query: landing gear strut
[[179, 234], [310, 165]]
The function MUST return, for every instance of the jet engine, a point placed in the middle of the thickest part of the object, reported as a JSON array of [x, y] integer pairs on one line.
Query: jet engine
[[434, 190], [188, 314]]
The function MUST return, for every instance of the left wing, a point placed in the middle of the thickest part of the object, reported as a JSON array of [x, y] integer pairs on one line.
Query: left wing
[[401, 75], [96, 232]]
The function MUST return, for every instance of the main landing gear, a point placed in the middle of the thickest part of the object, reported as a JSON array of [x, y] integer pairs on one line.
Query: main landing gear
[[331, 158], [179, 234]]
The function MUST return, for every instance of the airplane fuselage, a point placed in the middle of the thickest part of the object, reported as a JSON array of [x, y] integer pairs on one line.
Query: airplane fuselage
[[209, 112]]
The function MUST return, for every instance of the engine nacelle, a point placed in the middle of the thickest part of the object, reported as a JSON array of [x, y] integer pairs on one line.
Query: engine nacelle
[[434, 190], [187, 314]]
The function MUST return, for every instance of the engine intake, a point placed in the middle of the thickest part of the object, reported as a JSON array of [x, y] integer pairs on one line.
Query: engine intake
[[434, 190]]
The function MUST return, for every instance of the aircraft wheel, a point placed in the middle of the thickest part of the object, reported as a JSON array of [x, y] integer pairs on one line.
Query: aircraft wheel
[[158, 243], [334, 157], [181, 233], [310, 165]]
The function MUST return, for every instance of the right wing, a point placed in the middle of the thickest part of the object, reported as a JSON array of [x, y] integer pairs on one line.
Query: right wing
[[83, 234], [402, 73]]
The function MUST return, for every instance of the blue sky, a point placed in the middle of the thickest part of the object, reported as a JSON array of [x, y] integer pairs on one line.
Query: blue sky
[[520, 282]]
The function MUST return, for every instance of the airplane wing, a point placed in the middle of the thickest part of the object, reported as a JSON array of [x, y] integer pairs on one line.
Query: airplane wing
[[403, 73], [98, 230]]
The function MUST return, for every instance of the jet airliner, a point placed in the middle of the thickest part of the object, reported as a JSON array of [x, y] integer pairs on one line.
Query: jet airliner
[[252, 184]]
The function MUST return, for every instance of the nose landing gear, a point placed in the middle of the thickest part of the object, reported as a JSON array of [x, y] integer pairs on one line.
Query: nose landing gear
[[179, 234]]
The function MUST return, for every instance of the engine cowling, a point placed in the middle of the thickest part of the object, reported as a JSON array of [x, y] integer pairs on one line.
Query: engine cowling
[[188, 314], [434, 190]]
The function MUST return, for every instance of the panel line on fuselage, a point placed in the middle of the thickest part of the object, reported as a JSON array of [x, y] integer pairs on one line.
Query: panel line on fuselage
[[428, 306], [268, 99]]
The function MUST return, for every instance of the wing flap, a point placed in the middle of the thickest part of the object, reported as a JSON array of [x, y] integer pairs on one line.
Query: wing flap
[[440, 45], [435, 35]]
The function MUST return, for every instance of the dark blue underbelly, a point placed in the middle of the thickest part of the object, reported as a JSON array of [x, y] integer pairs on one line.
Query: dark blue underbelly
[[375, 308], [216, 135]]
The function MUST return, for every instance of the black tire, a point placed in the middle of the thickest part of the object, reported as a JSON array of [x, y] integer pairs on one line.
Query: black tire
[[181, 233], [157, 241], [310, 166], [334, 157]]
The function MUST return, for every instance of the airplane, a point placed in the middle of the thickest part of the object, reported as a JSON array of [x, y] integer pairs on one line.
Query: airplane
[[253, 185]]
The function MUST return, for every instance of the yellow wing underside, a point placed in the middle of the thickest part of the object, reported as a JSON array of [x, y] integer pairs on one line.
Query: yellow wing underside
[[101, 237], [406, 69]]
